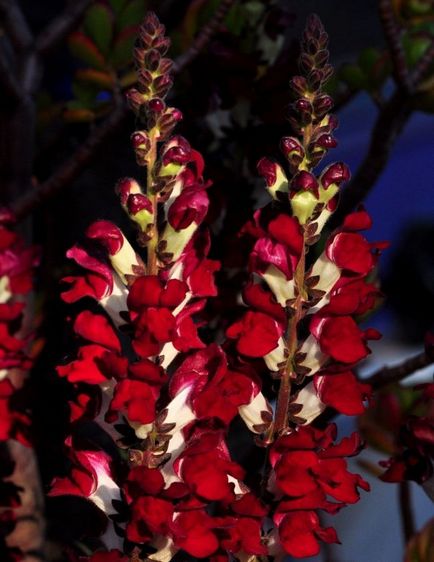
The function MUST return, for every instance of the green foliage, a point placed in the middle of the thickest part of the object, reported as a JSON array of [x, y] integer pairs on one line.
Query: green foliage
[[368, 73], [98, 25]]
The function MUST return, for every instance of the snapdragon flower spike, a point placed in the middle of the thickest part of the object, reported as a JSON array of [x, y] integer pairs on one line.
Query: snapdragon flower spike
[[173, 417], [17, 265], [303, 311]]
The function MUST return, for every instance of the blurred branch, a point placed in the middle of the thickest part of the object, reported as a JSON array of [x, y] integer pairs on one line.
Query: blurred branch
[[406, 510], [15, 24], [7, 78], [390, 122], [392, 33], [61, 26], [72, 167], [389, 375], [204, 36], [424, 64]]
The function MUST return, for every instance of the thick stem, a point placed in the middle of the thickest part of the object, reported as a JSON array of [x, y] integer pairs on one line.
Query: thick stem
[[152, 265], [281, 417]]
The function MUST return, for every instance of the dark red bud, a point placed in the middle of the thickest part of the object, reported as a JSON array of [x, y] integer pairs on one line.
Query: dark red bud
[[267, 169], [162, 84], [140, 140], [157, 105], [303, 105], [336, 173], [162, 44], [137, 202], [108, 234], [305, 181], [123, 189], [322, 104], [144, 77], [326, 141], [166, 66], [289, 145], [177, 114], [152, 60], [333, 122], [314, 80], [298, 85], [321, 57], [135, 99]]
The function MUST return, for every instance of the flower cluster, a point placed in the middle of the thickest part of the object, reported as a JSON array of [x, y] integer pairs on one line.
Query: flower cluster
[[143, 374], [303, 306], [17, 263]]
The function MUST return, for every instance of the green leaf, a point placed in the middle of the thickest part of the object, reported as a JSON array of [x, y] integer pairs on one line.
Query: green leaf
[[117, 5], [122, 52], [95, 77], [353, 76], [414, 48], [85, 50], [367, 59], [132, 14], [98, 24], [85, 94], [236, 19], [76, 113]]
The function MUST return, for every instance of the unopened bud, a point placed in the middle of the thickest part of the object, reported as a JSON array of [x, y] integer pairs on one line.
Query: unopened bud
[[305, 181], [274, 176], [336, 173]]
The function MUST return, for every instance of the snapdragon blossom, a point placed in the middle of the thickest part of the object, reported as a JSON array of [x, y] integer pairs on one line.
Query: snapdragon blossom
[[17, 263], [169, 403]]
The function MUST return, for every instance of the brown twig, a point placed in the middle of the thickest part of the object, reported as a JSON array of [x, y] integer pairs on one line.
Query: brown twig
[[423, 65], [204, 36], [390, 122], [407, 520], [389, 375], [8, 79], [392, 33], [61, 26], [15, 24]]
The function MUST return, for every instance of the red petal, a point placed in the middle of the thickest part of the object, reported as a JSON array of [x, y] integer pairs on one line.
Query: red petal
[[286, 229], [351, 251], [342, 392], [296, 533], [97, 329], [257, 334], [340, 338]]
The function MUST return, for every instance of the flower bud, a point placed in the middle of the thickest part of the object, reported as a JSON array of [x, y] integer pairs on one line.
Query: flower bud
[[125, 187], [135, 99], [156, 105], [299, 86], [274, 176], [152, 60], [293, 151], [139, 207], [122, 256], [305, 181], [322, 105], [141, 145], [326, 141], [162, 85], [336, 173]]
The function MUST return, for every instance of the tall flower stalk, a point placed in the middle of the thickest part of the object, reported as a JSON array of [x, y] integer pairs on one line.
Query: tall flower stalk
[[164, 398]]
